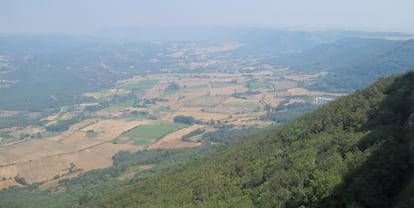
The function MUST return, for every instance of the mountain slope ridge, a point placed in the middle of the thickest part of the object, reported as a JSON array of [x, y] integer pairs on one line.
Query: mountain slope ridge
[[356, 151]]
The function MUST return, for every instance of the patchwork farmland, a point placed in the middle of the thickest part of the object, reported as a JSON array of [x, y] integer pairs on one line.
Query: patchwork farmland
[[140, 113]]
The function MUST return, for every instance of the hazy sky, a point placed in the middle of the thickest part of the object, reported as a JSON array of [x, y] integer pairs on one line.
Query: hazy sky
[[90, 15]]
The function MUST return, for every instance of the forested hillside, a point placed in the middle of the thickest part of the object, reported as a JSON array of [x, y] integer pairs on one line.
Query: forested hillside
[[354, 152]]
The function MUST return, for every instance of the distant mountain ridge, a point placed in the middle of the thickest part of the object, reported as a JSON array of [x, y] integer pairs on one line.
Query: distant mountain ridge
[[357, 151], [353, 62], [64, 67]]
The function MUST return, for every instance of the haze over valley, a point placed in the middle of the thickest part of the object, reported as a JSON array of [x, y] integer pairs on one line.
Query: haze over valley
[[153, 108]]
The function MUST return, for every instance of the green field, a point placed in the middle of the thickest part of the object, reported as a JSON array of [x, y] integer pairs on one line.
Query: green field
[[146, 134]]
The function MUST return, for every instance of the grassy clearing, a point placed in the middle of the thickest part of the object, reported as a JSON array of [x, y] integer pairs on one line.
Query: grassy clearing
[[133, 170], [146, 134]]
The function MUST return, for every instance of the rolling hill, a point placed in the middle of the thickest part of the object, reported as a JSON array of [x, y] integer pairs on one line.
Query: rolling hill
[[354, 152]]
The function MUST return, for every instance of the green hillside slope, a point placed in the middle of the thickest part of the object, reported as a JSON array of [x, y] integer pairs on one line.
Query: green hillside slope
[[354, 152]]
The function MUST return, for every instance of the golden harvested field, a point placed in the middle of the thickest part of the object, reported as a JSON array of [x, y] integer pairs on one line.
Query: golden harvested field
[[99, 156], [272, 100], [8, 171], [173, 140], [42, 167], [8, 183], [302, 91], [291, 101], [41, 160], [51, 117], [72, 129], [105, 130], [32, 150]]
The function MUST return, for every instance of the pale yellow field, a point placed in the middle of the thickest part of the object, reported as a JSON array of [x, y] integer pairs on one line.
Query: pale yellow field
[[8, 183], [291, 101], [42, 169], [157, 91], [272, 100], [106, 130], [99, 156], [302, 91], [74, 128], [106, 94], [173, 140], [51, 117], [114, 126], [32, 150], [8, 171], [36, 167], [27, 130], [261, 74]]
